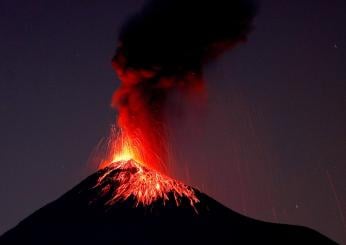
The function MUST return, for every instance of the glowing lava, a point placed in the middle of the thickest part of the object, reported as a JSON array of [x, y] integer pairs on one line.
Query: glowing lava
[[122, 147], [126, 170], [144, 185]]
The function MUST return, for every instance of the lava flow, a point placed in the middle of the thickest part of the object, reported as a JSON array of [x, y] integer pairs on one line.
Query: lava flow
[[144, 185], [136, 179]]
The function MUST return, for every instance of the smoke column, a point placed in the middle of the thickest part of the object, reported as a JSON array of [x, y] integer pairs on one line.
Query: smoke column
[[163, 49]]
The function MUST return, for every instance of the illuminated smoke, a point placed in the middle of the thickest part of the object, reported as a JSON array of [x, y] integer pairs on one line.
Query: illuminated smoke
[[163, 49]]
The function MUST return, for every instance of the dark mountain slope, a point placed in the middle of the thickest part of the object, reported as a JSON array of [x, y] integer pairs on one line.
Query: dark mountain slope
[[81, 216]]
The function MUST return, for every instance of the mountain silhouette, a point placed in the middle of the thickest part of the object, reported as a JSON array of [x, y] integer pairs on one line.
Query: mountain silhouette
[[84, 216]]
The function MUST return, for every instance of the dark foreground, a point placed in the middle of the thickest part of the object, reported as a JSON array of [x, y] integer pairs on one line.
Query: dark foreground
[[81, 217]]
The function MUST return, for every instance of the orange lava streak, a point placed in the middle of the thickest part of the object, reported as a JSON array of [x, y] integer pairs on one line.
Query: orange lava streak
[[126, 168], [123, 146], [145, 185]]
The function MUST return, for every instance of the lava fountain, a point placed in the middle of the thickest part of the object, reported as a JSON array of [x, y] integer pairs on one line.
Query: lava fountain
[[162, 50], [137, 179]]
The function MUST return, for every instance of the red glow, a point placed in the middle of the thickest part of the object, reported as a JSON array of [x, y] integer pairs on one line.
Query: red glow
[[140, 119], [143, 184], [140, 138]]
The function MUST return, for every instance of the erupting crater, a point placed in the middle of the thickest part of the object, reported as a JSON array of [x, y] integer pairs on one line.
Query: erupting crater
[[144, 185]]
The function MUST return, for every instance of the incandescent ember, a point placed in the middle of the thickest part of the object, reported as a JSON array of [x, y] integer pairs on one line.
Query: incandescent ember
[[144, 185]]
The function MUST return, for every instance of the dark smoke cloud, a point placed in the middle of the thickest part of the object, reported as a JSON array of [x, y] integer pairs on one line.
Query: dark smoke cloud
[[172, 37]]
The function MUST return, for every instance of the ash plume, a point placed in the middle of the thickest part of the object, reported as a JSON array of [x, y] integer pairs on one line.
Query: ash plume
[[162, 49], [173, 37]]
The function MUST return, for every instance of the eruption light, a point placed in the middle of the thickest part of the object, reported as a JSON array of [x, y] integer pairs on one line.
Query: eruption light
[[161, 50]]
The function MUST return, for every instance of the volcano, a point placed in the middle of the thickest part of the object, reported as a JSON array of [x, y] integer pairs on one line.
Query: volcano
[[105, 208]]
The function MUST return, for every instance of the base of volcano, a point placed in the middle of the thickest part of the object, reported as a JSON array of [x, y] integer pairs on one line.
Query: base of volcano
[[85, 215]]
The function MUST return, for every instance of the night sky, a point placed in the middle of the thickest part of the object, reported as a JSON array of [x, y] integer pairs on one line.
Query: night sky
[[270, 142]]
